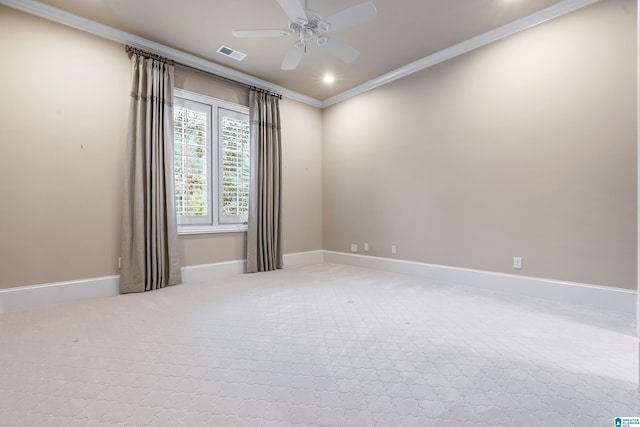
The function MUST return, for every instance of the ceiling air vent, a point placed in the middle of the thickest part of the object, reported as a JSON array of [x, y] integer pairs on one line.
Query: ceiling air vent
[[227, 51]]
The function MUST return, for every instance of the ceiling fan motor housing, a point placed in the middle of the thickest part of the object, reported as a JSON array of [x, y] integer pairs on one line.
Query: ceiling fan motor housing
[[310, 28]]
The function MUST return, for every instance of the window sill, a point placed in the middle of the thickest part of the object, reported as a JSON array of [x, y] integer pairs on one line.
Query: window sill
[[208, 229]]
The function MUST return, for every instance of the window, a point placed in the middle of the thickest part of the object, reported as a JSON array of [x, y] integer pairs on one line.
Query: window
[[211, 163]]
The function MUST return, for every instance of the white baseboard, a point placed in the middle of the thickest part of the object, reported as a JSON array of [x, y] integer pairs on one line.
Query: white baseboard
[[201, 273], [594, 296], [204, 272], [52, 293], [603, 297], [303, 258]]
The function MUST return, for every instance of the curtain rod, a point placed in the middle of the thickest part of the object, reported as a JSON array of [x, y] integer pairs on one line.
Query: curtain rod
[[140, 52], [266, 92], [134, 50]]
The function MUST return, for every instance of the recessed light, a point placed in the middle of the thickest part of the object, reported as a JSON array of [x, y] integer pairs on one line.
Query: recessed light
[[328, 79]]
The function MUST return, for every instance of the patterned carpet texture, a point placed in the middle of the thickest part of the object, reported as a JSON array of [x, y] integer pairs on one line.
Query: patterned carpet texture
[[322, 345]]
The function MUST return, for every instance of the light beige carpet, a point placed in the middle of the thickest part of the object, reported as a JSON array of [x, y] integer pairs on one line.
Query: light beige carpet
[[323, 345]]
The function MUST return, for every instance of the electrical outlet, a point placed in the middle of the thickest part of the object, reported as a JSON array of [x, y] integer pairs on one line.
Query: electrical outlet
[[366, 247], [517, 262], [119, 263], [354, 247], [394, 250]]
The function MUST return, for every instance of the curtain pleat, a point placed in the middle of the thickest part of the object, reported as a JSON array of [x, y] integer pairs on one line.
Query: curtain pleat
[[264, 248], [149, 248]]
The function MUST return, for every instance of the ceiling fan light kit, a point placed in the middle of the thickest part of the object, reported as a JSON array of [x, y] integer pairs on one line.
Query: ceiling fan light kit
[[308, 25]]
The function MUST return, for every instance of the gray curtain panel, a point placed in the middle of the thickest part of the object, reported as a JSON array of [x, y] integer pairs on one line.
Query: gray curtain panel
[[149, 247], [264, 247]]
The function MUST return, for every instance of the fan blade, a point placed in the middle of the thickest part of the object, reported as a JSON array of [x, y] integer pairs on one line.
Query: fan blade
[[293, 9], [260, 33], [351, 16], [340, 50], [293, 56]]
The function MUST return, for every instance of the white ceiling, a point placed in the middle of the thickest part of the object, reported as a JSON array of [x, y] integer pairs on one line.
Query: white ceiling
[[403, 32]]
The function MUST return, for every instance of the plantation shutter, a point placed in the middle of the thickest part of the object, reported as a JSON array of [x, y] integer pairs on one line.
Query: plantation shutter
[[191, 161], [234, 164]]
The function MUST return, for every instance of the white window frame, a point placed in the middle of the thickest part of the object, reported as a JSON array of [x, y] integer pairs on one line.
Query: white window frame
[[213, 222]]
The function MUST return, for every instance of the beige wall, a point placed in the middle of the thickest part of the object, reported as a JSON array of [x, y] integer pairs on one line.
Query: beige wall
[[62, 132], [523, 148], [64, 103], [526, 147]]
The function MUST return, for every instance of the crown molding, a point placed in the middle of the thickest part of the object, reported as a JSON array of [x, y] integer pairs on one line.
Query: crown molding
[[54, 14], [468, 45], [69, 19]]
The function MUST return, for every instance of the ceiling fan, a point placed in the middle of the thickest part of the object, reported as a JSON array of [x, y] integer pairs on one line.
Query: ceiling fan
[[308, 26]]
